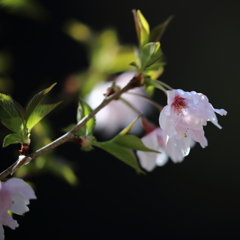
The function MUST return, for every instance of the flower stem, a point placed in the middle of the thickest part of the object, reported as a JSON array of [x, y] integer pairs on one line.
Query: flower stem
[[165, 85], [130, 105], [158, 106]]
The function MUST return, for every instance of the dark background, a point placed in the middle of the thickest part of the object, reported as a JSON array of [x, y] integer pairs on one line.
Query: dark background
[[197, 199]]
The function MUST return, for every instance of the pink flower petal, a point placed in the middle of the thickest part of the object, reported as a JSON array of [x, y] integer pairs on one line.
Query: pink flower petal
[[149, 160], [1, 232], [14, 196], [182, 121], [17, 185]]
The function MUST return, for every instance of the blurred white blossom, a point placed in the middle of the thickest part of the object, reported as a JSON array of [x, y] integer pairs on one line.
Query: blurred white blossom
[[116, 114]]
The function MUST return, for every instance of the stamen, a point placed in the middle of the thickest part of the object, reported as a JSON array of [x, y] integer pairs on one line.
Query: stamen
[[185, 134], [179, 102]]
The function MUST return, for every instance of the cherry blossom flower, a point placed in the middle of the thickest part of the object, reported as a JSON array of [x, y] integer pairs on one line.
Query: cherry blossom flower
[[154, 140], [14, 196], [149, 160], [182, 121], [116, 114]]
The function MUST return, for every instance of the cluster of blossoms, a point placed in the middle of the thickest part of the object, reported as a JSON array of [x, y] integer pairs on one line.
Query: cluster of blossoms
[[14, 196], [181, 122]]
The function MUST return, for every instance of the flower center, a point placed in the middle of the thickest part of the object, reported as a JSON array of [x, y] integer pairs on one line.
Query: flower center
[[179, 103]]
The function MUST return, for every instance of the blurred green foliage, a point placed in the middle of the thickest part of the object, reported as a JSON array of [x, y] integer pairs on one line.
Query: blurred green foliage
[[106, 55], [27, 8], [6, 83]]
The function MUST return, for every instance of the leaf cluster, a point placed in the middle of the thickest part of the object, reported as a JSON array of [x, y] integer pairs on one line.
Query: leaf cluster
[[150, 59], [21, 121]]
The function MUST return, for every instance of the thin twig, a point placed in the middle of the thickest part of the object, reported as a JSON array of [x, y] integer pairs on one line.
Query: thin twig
[[69, 135]]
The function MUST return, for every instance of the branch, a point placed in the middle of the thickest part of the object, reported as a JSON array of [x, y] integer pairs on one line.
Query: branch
[[67, 137]]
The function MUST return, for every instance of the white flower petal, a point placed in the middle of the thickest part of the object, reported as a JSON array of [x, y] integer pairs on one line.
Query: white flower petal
[[162, 158], [221, 112], [19, 204], [1, 232], [182, 121], [17, 185], [14, 196], [149, 160]]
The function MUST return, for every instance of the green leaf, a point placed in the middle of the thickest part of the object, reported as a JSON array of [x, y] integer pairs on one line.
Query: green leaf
[[155, 70], [8, 105], [39, 113], [151, 53], [20, 110], [35, 101], [11, 139], [83, 110], [14, 124], [131, 142], [155, 66], [125, 155], [157, 32], [134, 65], [142, 27]]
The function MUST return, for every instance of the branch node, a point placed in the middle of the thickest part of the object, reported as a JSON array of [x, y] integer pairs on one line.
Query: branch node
[[24, 149], [137, 81]]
